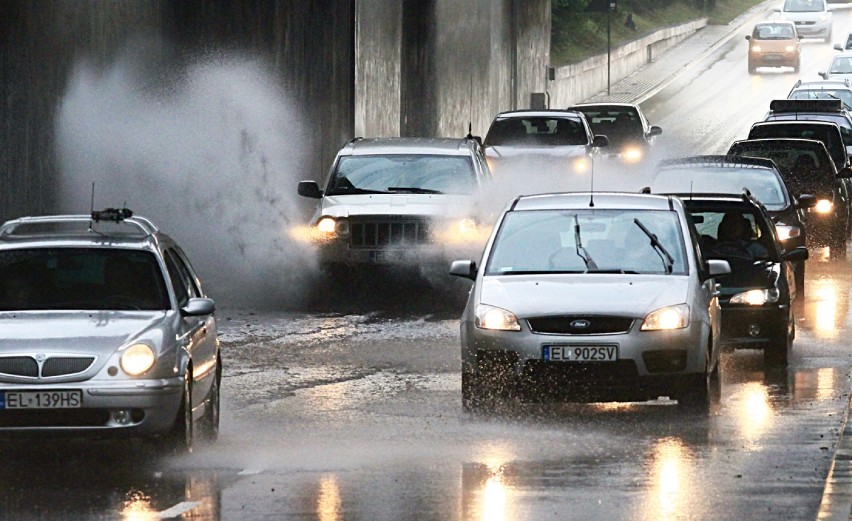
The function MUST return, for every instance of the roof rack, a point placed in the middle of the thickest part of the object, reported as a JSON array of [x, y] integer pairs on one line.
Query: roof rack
[[806, 105], [721, 160], [41, 225]]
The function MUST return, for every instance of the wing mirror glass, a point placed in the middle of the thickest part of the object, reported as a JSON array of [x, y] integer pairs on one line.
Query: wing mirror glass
[[796, 254], [310, 189]]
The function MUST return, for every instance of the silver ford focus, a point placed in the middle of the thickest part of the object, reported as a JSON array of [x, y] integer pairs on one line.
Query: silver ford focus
[[104, 329], [591, 297]]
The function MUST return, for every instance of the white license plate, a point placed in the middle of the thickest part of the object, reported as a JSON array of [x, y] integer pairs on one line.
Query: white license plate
[[41, 399], [580, 353]]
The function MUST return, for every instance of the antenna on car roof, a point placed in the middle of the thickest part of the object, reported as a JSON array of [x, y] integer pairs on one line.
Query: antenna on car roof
[[592, 192], [92, 205]]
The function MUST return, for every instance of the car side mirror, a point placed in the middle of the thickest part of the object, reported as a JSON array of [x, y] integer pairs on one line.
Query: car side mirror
[[748, 37], [806, 201], [838, 47], [655, 130], [717, 268], [464, 268], [824, 75], [197, 307], [600, 141], [310, 189], [796, 254]]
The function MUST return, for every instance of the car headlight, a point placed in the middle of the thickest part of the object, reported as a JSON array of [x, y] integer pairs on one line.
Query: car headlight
[[823, 18], [490, 317], [756, 48], [137, 359], [784, 231], [581, 165], [632, 154], [671, 317], [756, 297], [824, 206], [329, 228], [790, 48]]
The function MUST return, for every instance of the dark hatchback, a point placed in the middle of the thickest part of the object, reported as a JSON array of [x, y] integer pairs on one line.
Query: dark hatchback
[[730, 174], [807, 168], [756, 296]]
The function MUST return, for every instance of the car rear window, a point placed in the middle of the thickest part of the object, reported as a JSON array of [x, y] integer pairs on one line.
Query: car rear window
[[537, 131], [581, 241], [804, 170], [81, 279], [829, 136], [841, 94]]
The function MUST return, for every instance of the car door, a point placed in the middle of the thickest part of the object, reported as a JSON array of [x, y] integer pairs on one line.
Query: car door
[[200, 331]]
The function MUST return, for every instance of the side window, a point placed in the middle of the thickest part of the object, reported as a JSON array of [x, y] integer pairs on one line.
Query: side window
[[178, 282], [188, 274]]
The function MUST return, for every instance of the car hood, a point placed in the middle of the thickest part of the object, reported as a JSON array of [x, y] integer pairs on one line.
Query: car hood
[[76, 332], [624, 295], [749, 275], [538, 152], [430, 205]]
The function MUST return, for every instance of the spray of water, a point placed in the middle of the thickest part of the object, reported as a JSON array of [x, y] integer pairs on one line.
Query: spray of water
[[209, 152]]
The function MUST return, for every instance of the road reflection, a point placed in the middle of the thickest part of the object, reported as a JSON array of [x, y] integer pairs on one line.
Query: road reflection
[[328, 499], [668, 480]]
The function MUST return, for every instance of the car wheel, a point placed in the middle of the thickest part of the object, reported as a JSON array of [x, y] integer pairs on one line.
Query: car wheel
[[210, 422], [799, 278], [797, 65], [180, 438], [777, 353], [696, 395], [751, 68]]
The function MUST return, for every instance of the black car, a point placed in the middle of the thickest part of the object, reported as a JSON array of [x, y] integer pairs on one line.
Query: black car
[[756, 296], [831, 110], [625, 126], [807, 168], [730, 174]]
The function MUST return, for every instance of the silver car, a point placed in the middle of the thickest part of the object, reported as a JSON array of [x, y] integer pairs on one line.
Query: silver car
[[104, 329], [591, 297]]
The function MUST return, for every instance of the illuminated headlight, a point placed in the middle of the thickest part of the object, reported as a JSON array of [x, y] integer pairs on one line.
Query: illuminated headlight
[[672, 317], [632, 154], [785, 232], [490, 317], [756, 297], [824, 206], [756, 48], [329, 228], [581, 165], [790, 48], [823, 18], [137, 359]]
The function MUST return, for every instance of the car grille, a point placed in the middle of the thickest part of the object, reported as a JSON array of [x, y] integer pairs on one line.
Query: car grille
[[27, 366], [580, 325], [805, 23], [388, 231]]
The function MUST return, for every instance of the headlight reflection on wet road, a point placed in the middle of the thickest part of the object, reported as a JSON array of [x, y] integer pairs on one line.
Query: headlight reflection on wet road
[[137, 507], [668, 479], [825, 294], [328, 499], [753, 412]]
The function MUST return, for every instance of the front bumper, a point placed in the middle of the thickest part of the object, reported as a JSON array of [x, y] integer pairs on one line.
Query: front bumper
[[815, 29], [152, 405], [340, 253]]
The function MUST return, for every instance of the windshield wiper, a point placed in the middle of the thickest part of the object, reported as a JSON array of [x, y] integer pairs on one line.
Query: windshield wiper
[[581, 251], [343, 190], [832, 96], [413, 190], [665, 256], [535, 272]]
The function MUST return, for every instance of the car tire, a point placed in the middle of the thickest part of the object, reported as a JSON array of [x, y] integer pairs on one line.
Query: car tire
[[777, 353], [696, 394], [799, 279], [797, 65], [181, 437], [210, 422], [752, 69]]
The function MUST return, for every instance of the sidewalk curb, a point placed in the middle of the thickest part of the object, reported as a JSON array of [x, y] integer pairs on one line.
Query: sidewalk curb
[[758, 11], [836, 502]]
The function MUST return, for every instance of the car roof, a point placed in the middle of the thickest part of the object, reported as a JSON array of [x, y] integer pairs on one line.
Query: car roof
[[720, 160], [579, 106], [828, 84], [542, 113], [80, 231], [409, 145], [797, 142], [598, 200]]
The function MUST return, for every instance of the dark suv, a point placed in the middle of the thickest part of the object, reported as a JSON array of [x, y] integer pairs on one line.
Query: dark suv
[[756, 296], [807, 168], [831, 110], [730, 174]]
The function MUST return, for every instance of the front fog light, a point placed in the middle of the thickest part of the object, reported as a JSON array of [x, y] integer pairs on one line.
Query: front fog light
[[756, 297], [785, 232], [824, 206], [121, 416], [137, 359], [672, 317], [490, 317]]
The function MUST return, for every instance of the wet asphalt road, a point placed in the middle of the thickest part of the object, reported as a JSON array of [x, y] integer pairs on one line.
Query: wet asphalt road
[[352, 410]]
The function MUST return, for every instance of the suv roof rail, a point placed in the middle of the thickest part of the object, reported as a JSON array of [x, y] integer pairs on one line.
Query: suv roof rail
[[805, 105], [28, 226], [721, 160]]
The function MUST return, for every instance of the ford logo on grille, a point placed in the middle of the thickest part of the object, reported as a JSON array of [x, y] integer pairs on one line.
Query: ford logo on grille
[[580, 324]]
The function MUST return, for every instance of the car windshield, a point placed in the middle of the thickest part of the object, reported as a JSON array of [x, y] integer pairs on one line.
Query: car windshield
[[773, 32], [804, 6], [841, 94], [403, 173], [763, 183], [804, 170], [615, 122], [587, 241], [81, 279], [841, 65], [733, 235], [537, 131]]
